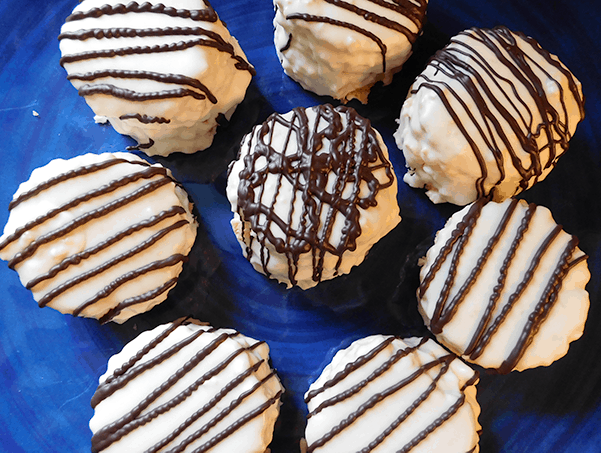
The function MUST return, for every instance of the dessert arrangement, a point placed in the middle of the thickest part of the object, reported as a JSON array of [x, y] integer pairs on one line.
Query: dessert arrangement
[[314, 201]]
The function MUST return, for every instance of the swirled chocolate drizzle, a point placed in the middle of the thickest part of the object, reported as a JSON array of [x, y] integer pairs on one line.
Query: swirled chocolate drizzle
[[83, 210], [437, 368], [503, 106], [494, 315], [338, 144], [106, 81], [415, 11], [204, 359]]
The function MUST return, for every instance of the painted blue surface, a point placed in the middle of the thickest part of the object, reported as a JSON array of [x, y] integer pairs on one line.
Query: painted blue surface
[[50, 363]]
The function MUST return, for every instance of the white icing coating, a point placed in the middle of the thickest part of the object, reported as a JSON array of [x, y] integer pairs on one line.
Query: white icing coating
[[566, 318], [370, 386], [337, 61], [192, 122], [84, 238], [213, 394], [438, 154], [375, 221]]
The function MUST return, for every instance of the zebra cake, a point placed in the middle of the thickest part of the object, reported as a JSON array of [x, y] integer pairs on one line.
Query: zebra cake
[[384, 394], [163, 73], [312, 191], [491, 114], [99, 235], [342, 49], [187, 387], [504, 286]]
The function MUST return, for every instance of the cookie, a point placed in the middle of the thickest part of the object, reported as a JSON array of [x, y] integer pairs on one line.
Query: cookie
[[99, 235], [312, 190], [163, 73], [504, 286], [491, 114]]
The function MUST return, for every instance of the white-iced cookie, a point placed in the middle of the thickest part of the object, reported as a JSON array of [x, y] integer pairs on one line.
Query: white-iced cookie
[[491, 113], [162, 73], [187, 387], [312, 190], [342, 48], [504, 286], [99, 235], [385, 394]]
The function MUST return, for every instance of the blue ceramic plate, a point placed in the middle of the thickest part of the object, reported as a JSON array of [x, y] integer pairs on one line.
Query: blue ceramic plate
[[50, 363]]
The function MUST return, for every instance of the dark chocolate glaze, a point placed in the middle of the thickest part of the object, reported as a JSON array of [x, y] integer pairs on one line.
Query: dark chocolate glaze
[[157, 176], [488, 325], [81, 171], [144, 413], [353, 156], [500, 113], [414, 11], [205, 15], [145, 118], [442, 364], [208, 38], [141, 146]]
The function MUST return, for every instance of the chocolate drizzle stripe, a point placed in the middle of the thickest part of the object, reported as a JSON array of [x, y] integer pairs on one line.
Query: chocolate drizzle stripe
[[415, 10], [461, 62], [85, 276], [125, 278], [142, 298], [514, 297], [88, 216], [449, 310], [78, 257], [542, 309], [398, 355], [474, 211], [349, 368], [308, 169], [126, 374], [222, 393], [163, 48], [206, 15], [141, 146], [102, 190], [145, 119], [156, 341], [115, 33], [430, 428], [475, 343], [436, 321], [81, 171], [434, 425], [112, 433], [241, 421], [223, 414], [338, 23], [130, 95], [375, 18], [378, 397]]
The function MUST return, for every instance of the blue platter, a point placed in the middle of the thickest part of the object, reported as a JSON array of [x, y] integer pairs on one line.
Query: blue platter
[[50, 363]]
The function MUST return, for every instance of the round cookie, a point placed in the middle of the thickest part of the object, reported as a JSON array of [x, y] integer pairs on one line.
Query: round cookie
[[491, 114], [102, 236], [504, 286], [385, 394], [189, 387], [342, 48], [312, 190], [163, 73]]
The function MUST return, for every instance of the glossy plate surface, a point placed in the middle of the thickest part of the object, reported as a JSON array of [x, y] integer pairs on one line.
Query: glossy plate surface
[[50, 363]]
